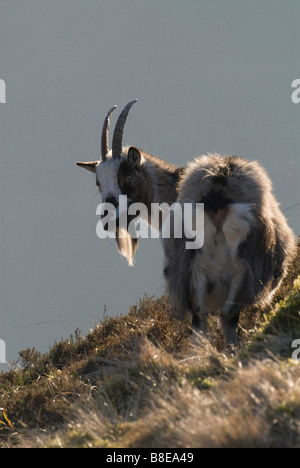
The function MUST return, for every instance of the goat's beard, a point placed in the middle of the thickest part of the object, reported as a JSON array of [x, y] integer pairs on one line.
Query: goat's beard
[[125, 234], [126, 244]]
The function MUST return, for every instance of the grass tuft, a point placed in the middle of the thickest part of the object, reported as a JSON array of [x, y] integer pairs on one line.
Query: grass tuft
[[137, 381]]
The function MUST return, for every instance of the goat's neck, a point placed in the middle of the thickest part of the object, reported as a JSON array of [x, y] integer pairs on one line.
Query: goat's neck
[[165, 180]]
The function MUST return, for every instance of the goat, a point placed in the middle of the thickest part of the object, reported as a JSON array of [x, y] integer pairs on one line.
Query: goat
[[130, 171], [247, 242], [247, 248]]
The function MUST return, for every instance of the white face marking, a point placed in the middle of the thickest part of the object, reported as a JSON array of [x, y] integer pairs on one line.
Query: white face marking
[[107, 176]]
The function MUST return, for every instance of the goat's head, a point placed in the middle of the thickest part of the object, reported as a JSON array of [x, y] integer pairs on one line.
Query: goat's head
[[121, 172]]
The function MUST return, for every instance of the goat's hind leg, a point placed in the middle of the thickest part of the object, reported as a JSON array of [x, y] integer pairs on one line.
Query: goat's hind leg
[[230, 321], [230, 314], [198, 306], [199, 324]]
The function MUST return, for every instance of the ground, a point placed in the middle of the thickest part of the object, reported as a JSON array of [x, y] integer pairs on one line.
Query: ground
[[98, 390]]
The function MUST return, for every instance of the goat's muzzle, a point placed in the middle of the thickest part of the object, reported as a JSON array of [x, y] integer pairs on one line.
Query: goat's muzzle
[[120, 220]]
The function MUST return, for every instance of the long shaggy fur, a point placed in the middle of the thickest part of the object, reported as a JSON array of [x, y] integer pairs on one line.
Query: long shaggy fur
[[247, 243]]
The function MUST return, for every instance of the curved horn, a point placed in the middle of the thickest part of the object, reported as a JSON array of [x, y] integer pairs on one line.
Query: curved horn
[[104, 137], [117, 142]]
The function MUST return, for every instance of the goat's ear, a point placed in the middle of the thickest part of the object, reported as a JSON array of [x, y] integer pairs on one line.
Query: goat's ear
[[89, 166], [134, 156]]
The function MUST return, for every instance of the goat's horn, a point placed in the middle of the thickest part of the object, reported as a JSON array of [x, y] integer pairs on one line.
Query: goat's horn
[[117, 142], [104, 137]]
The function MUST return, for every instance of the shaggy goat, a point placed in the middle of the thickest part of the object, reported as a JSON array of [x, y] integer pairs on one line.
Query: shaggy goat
[[130, 171], [247, 243]]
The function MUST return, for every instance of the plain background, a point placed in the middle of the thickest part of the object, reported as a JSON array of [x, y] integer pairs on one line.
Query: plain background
[[209, 75]]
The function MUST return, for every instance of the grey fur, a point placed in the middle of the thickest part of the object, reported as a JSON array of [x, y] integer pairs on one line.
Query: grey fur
[[247, 242], [247, 249]]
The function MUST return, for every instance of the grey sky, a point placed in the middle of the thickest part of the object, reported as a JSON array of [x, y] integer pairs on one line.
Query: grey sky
[[209, 76]]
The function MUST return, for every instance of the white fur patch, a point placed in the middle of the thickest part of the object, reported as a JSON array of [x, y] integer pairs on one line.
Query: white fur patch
[[237, 225], [218, 264], [107, 176]]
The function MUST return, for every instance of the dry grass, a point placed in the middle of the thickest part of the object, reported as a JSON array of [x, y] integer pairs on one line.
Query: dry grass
[[99, 390]]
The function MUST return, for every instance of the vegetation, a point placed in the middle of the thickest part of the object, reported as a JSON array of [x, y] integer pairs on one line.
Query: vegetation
[[99, 390]]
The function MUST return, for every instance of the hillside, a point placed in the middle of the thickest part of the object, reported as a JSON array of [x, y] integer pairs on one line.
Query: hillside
[[99, 390]]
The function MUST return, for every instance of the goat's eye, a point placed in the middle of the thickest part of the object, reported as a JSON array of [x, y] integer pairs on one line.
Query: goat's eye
[[128, 179]]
